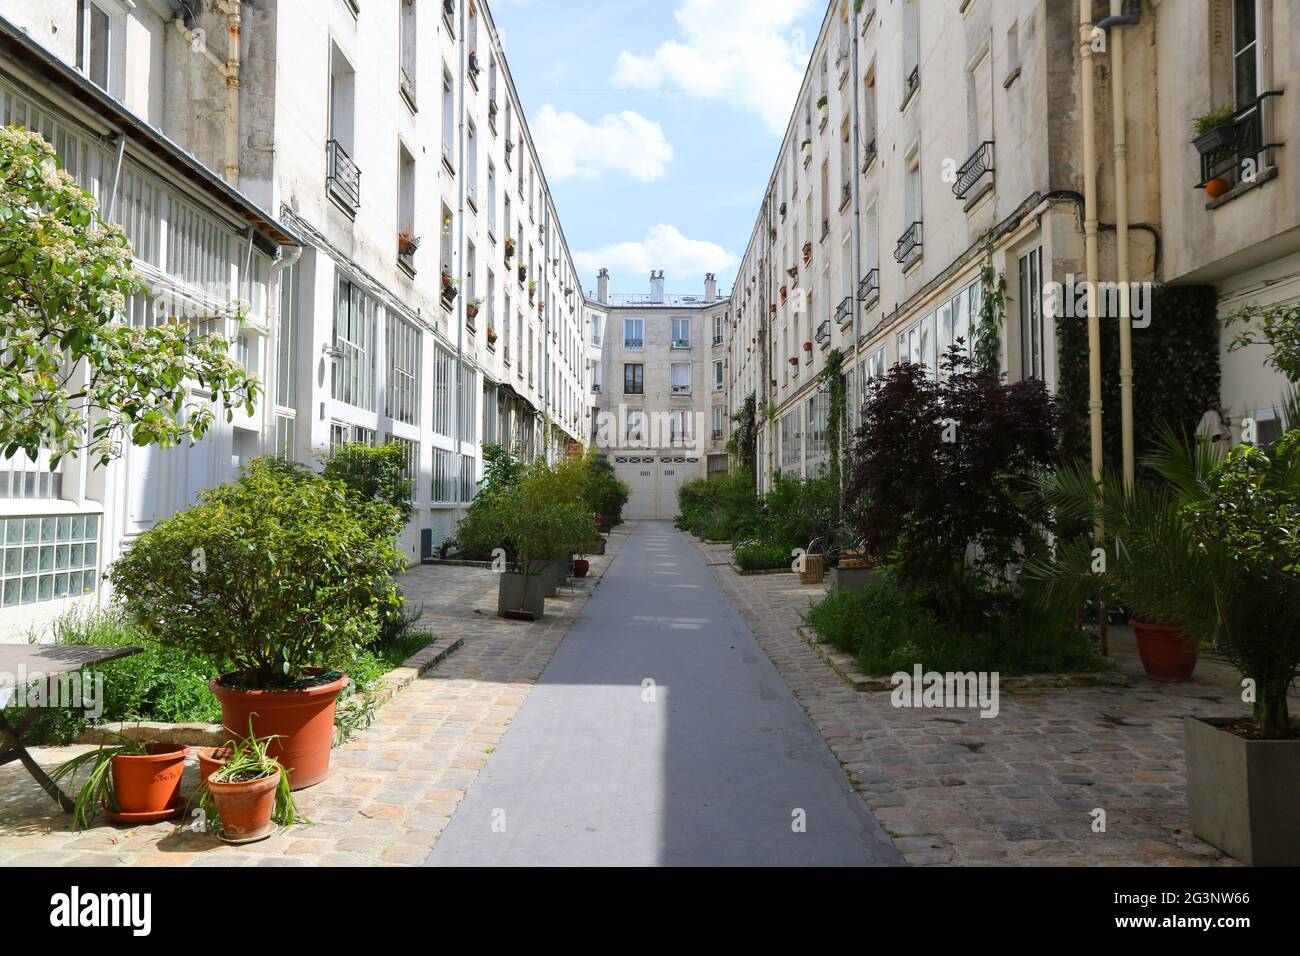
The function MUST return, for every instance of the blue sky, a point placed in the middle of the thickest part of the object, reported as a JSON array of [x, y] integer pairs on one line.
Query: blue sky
[[658, 122]]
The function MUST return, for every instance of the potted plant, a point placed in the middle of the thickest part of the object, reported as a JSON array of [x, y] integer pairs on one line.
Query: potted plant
[[510, 250], [523, 272], [407, 242], [1209, 538], [491, 335], [794, 360], [1213, 129], [532, 289], [136, 781], [471, 308], [249, 792], [823, 108], [282, 576], [473, 64], [450, 287], [806, 148], [807, 252], [807, 346]]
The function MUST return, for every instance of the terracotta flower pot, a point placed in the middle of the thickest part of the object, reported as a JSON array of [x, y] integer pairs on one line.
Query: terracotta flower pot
[[149, 783], [1167, 653], [580, 567], [212, 759], [245, 807], [301, 720], [1216, 187]]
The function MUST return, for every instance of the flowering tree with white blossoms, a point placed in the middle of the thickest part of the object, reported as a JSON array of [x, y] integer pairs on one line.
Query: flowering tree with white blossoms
[[74, 378]]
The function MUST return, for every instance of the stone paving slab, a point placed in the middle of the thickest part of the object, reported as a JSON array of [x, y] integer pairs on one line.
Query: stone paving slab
[[391, 790], [1019, 789]]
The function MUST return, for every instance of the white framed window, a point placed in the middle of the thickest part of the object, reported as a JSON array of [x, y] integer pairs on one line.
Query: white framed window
[[355, 332], [402, 388], [681, 378], [681, 333], [719, 328], [634, 333], [633, 425], [95, 35], [1031, 314], [719, 419], [717, 375], [679, 426]]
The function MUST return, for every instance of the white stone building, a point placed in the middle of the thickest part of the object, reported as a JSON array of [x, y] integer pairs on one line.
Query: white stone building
[[967, 147], [659, 373], [342, 130]]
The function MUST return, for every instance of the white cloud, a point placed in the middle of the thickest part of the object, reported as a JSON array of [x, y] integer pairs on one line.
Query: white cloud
[[746, 53], [626, 142], [664, 247]]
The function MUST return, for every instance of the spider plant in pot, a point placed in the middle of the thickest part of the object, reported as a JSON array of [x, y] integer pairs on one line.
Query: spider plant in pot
[[137, 781], [285, 574], [249, 792]]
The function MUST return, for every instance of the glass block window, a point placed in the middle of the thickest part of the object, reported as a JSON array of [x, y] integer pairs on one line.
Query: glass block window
[[48, 558], [31, 484]]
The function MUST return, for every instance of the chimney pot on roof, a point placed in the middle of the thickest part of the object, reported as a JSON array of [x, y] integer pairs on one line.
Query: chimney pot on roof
[[657, 287], [602, 286], [710, 287]]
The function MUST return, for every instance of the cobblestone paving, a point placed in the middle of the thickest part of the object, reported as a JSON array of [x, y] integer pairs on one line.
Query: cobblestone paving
[[390, 791], [954, 788]]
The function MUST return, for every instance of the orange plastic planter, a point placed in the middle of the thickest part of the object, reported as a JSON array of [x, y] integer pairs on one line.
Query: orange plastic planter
[[149, 783], [1167, 653]]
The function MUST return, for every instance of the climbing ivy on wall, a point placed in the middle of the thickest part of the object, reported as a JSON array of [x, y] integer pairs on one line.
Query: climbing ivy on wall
[[743, 442], [833, 379], [1175, 371]]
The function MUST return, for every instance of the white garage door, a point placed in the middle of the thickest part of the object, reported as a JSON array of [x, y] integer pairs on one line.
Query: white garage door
[[654, 480]]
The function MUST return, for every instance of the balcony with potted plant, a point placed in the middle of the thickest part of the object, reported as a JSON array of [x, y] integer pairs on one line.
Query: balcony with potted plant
[[1231, 143], [408, 243], [450, 289]]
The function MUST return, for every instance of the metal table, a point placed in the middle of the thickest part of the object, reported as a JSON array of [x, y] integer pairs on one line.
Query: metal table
[[18, 665]]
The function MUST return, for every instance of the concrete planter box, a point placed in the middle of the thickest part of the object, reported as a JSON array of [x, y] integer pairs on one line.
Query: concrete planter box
[[852, 579], [554, 573], [512, 597], [1242, 794]]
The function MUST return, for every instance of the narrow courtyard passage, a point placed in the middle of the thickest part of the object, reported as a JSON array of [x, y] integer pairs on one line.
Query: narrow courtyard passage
[[661, 734]]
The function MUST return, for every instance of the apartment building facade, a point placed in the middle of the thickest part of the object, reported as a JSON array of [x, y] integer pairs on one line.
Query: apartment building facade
[[968, 151], [659, 374], [423, 292]]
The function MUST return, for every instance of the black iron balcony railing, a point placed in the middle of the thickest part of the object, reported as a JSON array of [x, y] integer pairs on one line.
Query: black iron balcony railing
[[973, 170], [342, 177], [912, 83], [633, 343], [1237, 149], [846, 193], [717, 434], [869, 287], [824, 330], [633, 388], [595, 388], [909, 243], [844, 311]]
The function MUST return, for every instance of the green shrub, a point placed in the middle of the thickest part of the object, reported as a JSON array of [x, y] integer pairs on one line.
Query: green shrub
[[373, 474], [717, 508], [888, 629], [273, 573], [606, 493], [760, 555], [798, 510], [479, 533]]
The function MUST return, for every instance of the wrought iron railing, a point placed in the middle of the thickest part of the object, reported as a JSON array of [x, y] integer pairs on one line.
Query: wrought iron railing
[[1228, 151], [342, 177], [824, 330], [844, 311], [908, 243], [912, 83], [971, 171], [868, 155], [869, 287], [633, 343]]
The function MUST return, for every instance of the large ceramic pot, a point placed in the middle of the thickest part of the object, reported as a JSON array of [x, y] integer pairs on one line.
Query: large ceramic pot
[[302, 721], [151, 782], [245, 807], [1167, 653], [1241, 793]]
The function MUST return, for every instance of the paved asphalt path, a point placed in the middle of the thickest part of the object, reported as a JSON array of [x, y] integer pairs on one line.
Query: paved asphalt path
[[714, 763]]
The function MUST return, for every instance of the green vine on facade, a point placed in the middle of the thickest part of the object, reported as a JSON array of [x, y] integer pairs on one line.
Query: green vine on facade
[[743, 443], [836, 383], [986, 347]]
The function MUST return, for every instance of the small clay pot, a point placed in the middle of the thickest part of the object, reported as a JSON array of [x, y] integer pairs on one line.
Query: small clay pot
[[245, 807]]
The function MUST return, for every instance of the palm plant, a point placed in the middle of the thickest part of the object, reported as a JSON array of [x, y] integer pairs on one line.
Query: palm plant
[[1214, 550]]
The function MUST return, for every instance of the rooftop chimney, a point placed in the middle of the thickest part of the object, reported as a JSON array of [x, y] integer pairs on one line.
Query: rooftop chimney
[[657, 287], [710, 287], [602, 286]]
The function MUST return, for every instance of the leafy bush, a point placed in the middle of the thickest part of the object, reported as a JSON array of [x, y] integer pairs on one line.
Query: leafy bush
[[888, 628], [273, 573], [939, 466], [718, 508], [373, 474], [606, 493], [478, 533], [761, 555], [797, 510]]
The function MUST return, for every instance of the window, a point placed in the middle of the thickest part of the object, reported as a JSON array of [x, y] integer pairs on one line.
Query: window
[[491, 198], [343, 177], [448, 120], [719, 328], [595, 330], [48, 558], [471, 164], [405, 203], [869, 118], [681, 378], [826, 198], [679, 427], [402, 389], [633, 427], [94, 38], [717, 375], [1013, 54], [1031, 314], [719, 419], [1245, 52], [633, 333], [979, 102], [597, 376], [633, 379], [444, 366], [355, 318], [911, 51], [406, 71], [681, 333], [286, 378]]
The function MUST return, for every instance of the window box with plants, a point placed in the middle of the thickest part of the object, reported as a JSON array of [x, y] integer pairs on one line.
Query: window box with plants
[[806, 148], [532, 290], [450, 288], [523, 273], [282, 577], [408, 243], [471, 311], [823, 111], [509, 250], [1214, 134]]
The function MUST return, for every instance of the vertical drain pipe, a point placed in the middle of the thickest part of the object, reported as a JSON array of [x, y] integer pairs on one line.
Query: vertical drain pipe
[[1087, 97]]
